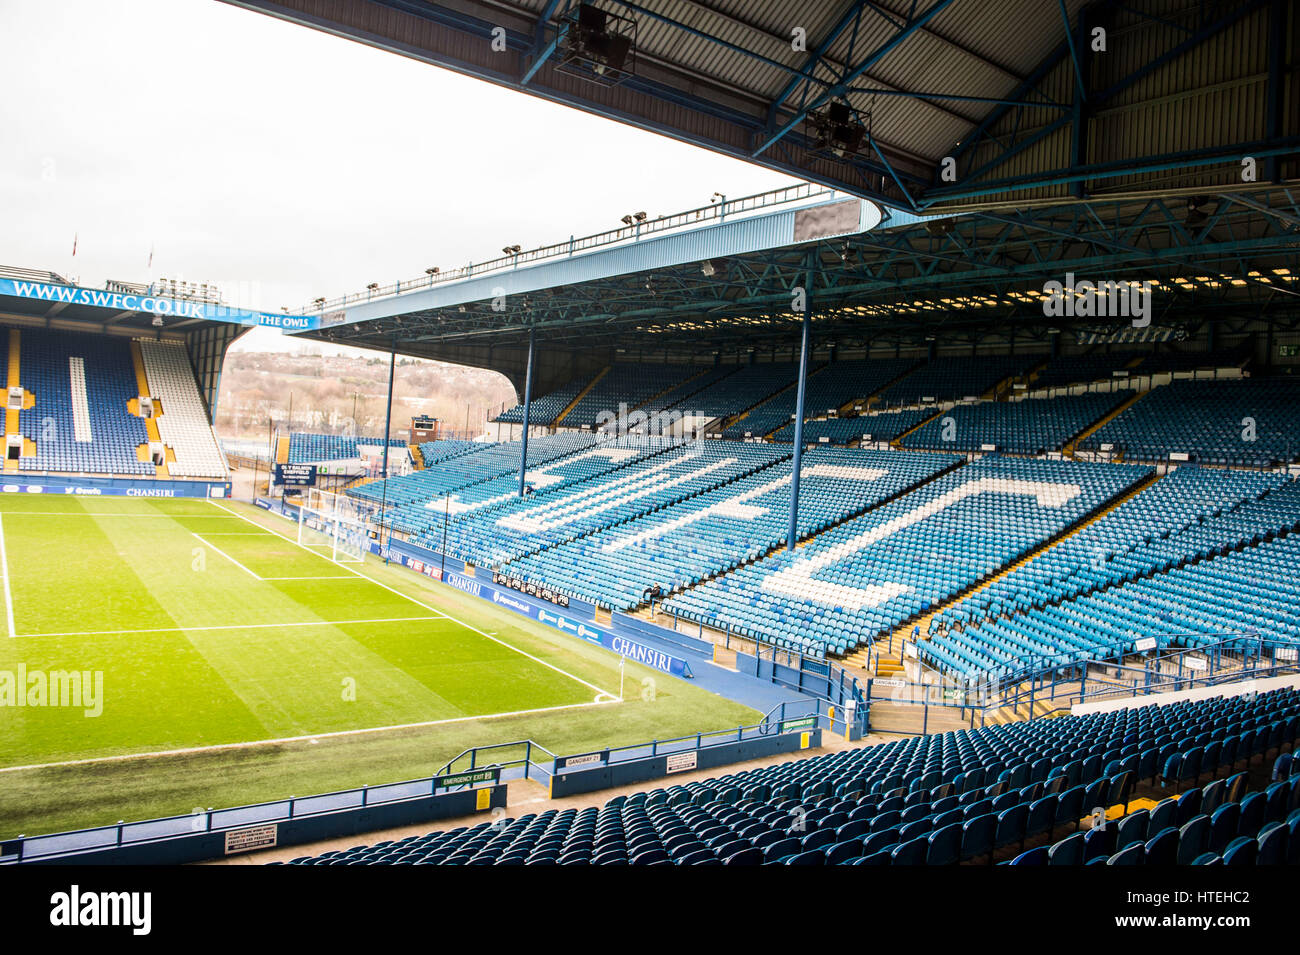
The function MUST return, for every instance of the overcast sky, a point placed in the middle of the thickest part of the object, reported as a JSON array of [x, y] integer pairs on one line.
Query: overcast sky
[[283, 163]]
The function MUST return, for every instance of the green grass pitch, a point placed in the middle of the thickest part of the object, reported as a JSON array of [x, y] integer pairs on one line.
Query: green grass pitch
[[238, 666]]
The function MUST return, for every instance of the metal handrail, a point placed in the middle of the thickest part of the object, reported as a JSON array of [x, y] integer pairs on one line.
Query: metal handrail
[[633, 233]]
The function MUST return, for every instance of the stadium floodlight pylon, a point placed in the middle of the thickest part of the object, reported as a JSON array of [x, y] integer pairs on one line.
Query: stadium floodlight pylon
[[334, 525]]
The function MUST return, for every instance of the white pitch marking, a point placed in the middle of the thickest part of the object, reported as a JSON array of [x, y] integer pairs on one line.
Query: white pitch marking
[[420, 603], [324, 577], [4, 570], [298, 739], [20, 513], [230, 626], [228, 557]]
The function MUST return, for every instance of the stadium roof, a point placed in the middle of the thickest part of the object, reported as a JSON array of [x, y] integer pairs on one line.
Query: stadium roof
[[1035, 102], [886, 276]]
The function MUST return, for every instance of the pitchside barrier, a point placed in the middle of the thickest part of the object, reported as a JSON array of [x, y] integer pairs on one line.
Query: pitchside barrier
[[463, 786], [114, 487], [287, 822]]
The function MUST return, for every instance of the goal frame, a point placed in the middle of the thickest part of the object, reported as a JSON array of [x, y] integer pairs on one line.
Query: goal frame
[[335, 521]]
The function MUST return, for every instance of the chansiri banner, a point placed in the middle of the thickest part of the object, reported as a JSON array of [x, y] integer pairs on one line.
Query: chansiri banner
[[155, 305]]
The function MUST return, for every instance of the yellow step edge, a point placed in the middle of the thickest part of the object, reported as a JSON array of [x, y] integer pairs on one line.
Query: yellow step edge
[[1092, 429], [581, 394], [150, 424], [13, 380], [905, 632]]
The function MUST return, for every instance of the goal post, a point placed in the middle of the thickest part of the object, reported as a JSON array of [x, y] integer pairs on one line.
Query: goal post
[[334, 525]]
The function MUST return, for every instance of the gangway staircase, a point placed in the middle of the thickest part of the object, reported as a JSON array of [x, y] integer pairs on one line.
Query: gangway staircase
[[580, 395], [1092, 429], [150, 425], [13, 425]]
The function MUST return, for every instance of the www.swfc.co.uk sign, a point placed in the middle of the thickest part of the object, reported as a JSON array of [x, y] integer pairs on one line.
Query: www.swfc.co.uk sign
[[154, 305]]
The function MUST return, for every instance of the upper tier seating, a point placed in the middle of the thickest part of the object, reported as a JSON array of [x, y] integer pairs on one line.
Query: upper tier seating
[[951, 379], [1190, 361], [80, 422], [678, 397], [936, 799], [626, 386], [684, 543], [1081, 369], [1028, 426], [183, 424], [544, 409], [742, 389], [828, 389], [1208, 419], [884, 426], [868, 575]]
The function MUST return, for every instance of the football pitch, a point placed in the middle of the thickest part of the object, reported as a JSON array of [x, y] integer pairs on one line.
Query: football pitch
[[163, 654]]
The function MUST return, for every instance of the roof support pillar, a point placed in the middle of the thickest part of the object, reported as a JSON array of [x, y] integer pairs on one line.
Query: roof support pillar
[[388, 411], [528, 402], [797, 463]]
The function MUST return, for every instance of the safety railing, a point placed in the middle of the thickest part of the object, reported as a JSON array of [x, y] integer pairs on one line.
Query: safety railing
[[691, 218], [1044, 691], [520, 767]]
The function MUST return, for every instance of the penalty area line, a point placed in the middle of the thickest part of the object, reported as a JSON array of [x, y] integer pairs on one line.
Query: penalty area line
[[421, 603], [228, 557]]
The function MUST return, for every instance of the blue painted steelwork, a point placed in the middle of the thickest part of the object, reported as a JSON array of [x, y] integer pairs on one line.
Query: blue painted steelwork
[[871, 60], [388, 410], [796, 465], [528, 403], [729, 117], [556, 266], [1168, 161]]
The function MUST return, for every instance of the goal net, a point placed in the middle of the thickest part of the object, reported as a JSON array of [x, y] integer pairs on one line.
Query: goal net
[[334, 525]]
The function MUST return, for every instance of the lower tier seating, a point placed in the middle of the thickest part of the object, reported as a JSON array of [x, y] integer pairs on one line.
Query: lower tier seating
[[685, 543], [866, 576], [80, 421], [934, 800]]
